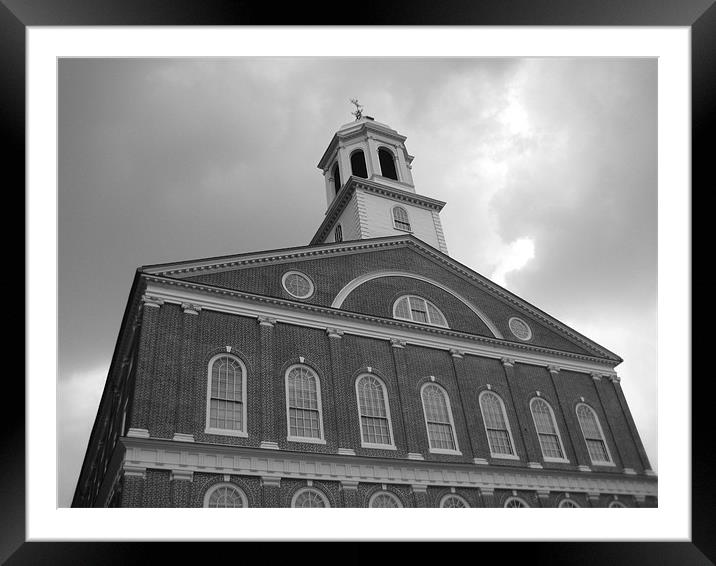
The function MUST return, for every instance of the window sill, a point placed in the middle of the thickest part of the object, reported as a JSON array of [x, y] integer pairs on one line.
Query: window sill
[[604, 464], [556, 460], [306, 440], [226, 432], [445, 451], [505, 456], [378, 446]]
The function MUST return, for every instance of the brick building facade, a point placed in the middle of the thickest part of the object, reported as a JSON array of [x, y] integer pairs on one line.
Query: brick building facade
[[370, 371]]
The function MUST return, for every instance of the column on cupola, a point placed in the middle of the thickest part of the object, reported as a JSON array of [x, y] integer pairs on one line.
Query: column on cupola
[[139, 419], [402, 164], [401, 372], [517, 395], [372, 160], [344, 163], [341, 413], [184, 422], [578, 446], [478, 450], [269, 434]]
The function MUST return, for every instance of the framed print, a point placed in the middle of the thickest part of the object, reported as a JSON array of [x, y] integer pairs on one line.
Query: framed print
[[157, 138]]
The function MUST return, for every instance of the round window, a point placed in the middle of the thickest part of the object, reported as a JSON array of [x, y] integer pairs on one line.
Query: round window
[[519, 328], [297, 284]]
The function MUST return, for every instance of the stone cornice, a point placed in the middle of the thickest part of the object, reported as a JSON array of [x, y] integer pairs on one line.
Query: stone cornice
[[188, 269], [219, 299], [223, 459]]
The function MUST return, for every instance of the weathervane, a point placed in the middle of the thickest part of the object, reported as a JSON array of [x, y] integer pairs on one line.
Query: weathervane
[[358, 113]]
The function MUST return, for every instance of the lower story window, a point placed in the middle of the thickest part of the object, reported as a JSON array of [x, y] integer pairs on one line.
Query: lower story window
[[225, 495]]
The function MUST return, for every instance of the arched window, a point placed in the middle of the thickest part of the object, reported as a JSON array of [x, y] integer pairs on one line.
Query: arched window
[[497, 426], [452, 500], [339, 233], [417, 309], [567, 503], [336, 178], [547, 431], [384, 499], [358, 164], [593, 435], [438, 419], [515, 502], [387, 164], [309, 497], [225, 495], [226, 403], [376, 430], [303, 405], [400, 219]]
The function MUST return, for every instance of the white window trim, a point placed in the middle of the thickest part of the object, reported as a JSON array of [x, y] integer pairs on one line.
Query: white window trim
[[559, 435], [243, 433], [514, 456], [395, 304], [217, 486], [396, 163], [447, 495], [456, 451], [385, 492], [294, 272], [601, 432], [310, 439], [313, 489], [363, 443], [572, 503], [515, 498], [392, 219]]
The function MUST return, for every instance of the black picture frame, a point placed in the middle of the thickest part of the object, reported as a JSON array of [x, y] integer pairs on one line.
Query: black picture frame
[[699, 15]]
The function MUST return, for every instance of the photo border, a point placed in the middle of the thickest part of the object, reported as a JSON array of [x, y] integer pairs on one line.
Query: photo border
[[700, 16]]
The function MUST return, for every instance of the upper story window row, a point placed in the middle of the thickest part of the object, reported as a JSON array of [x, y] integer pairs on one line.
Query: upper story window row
[[359, 166], [227, 401]]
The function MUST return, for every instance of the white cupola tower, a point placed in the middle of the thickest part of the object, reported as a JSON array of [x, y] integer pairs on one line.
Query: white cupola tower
[[369, 187]]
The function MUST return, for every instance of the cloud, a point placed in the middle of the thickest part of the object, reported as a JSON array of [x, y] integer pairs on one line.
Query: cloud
[[515, 257]]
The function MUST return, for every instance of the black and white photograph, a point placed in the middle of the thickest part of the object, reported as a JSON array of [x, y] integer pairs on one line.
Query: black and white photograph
[[357, 282]]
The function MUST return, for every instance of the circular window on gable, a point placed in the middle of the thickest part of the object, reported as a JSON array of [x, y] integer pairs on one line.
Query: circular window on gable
[[519, 328], [297, 284]]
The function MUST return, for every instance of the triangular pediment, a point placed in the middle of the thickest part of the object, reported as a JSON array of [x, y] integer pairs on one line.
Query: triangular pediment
[[366, 276]]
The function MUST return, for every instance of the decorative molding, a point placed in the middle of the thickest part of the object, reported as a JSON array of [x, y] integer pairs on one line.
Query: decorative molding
[[507, 362], [305, 252], [151, 301], [596, 376], [190, 308], [629, 471], [234, 460], [271, 481], [266, 321], [650, 473], [182, 437], [543, 493], [455, 353], [583, 468], [614, 378], [334, 333], [347, 451], [593, 496], [535, 465], [419, 487], [554, 370], [352, 285], [138, 433], [415, 456], [268, 445], [349, 485], [313, 316], [181, 475], [480, 461], [134, 470], [397, 343]]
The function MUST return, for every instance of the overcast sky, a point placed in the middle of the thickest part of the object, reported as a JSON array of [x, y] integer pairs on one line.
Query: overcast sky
[[548, 168]]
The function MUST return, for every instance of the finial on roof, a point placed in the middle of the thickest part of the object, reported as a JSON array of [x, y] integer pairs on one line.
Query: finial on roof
[[359, 109]]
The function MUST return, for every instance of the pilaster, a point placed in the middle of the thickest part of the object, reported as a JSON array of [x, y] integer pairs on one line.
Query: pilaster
[[420, 494], [615, 380], [349, 490], [479, 452], [597, 380], [578, 447], [271, 491], [341, 413], [185, 414], [516, 396], [269, 435], [410, 427]]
